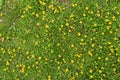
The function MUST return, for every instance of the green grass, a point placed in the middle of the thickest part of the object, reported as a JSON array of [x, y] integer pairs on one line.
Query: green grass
[[49, 40]]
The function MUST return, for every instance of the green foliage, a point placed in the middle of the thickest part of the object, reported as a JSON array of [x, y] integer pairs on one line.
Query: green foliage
[[51, 40]]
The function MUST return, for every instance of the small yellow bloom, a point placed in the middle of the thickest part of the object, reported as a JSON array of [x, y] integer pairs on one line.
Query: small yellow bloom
[[95, 24], [37, 15], [81, 66], [91, 12], [22, 16], [72, 45], [33, 56], [1, 14], [58, 68], [37, 24], [66, 70], [7, 63], [72, 61], [36, 62], [79, 34], [36, 43], [22, 70], [27, 52], [91, 76], [102, 33], [80, 22], [91, 71], [33, 13], [28, 67], [86, 8], [93, 45], [110, 32], [98, 15], [0, 34], [106, 59], [84, 14], [109, 22], [46, 26], [67, 24], [49, 77], [91, 19], [26, 74], [3, 39], [39, 57], [81, 72], [99, 58], [100, 71], [90, 53]]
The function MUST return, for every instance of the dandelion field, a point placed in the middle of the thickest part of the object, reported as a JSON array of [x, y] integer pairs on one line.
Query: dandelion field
[[60, 40]]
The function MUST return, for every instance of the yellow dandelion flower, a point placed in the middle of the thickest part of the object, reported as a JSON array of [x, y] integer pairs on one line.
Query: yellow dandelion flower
[[118, 60], [27, 52], [76, 73], [7, 63], [43, 12], [91, 76], [58, 44], [91, 12], [81, 72], [98, 15], [109, 22], [99, 58], [76, 4], [46, 26], [22, 16], [33, 56], [67, 24], [41, 2], [72, 61], [5, 69], [79, 34], [0, 34], [33, 13], [66, 70], [36, 43], [102, 33], [28, 67], [36, 62], [3, 39], [58, 68], [39, 57], [80, 22], [111, 32], [37, 15], [81, 66], [26, 74], [52, 21], [49, 77], [91, 71], [86, 8], [100, 71], [72, 45], [90, 53], [108, 27], [1, 14], [93, 45], [91, 19], [60, 29], [37, 24], [95, 24], [84, 14], [106, 59]]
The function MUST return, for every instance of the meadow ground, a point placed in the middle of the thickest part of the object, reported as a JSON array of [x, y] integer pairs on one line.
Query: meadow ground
[[60, 40]]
